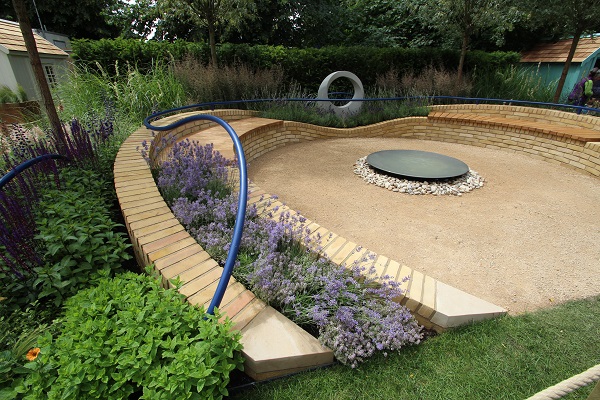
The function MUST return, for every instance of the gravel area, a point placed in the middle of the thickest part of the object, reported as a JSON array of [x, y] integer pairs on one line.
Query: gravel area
[[529, 238]]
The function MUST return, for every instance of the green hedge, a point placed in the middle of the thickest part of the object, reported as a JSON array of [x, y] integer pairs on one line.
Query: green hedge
[[308, 66], [109, 52]]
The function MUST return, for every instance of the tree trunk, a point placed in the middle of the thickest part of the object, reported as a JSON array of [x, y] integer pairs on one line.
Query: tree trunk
[[212, 43], [38, 71], [563, 76], [463, 54]]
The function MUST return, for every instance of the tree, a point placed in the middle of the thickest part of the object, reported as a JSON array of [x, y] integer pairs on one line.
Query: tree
[[296, 23], [137, 19], [212, 14], [464, 18], [171, 27], [566, 18], [40, 77], [276, 24], [319, 23], [78, 19], [143, 19], [385, 23]]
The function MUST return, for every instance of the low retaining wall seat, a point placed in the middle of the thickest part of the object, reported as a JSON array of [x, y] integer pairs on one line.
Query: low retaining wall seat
[[273, 345]]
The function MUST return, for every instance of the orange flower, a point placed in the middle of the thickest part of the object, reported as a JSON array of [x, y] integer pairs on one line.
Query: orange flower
[[33, 353]]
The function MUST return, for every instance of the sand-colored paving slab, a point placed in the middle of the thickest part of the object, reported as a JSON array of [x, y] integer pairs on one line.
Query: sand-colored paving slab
[[280, 353]]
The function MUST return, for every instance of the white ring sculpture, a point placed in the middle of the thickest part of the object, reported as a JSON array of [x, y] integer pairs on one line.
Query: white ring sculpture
[[352, 107]]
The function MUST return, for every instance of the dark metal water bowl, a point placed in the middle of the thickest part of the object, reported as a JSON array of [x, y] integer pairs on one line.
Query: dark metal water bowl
[[416, 164]]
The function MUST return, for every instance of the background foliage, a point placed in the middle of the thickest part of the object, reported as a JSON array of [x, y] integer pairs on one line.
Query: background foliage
[[307, 67]]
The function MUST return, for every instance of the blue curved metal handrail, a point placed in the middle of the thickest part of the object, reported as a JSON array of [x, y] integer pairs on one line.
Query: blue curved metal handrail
[[27, 164], [476, 100], [242, 200]]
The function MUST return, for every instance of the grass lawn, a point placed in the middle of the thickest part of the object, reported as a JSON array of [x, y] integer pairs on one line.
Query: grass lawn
[[506, 358]]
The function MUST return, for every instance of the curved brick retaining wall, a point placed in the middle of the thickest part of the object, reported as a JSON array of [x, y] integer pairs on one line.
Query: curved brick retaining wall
[[550, 135], [157, 237], [555, 136]]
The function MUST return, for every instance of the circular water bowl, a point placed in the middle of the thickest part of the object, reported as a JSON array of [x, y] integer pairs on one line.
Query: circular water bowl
[[416, 164]]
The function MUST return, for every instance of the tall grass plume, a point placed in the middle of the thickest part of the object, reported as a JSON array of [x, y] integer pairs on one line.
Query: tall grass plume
[[208, 83]]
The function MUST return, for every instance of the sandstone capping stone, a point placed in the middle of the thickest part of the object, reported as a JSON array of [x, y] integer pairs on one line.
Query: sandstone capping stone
[[280, 352], [455, 307]]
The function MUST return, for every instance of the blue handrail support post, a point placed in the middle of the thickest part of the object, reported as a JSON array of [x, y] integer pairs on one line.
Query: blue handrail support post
[[242, 197]]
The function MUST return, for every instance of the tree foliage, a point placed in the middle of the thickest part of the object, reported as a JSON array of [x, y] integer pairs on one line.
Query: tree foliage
[[451, 24], [564, 18], [77, 19], [272, 25], [213, 15], [385, 23], [460, 20], [299, 23]]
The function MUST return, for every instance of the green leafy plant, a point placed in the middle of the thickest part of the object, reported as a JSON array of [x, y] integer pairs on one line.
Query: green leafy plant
[[21, 93], [430, 81], [306, 66], [354, 314], [513, 83], [7, 95], [15, 293], [128, 336], [19, 331], [81, 239], [371, 112], [129, 94]]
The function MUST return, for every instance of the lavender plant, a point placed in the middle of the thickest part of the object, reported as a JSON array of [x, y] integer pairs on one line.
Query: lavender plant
[[193, 170], [355, 313]]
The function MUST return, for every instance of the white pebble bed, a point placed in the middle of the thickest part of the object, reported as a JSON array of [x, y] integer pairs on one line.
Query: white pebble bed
[[453, 186]]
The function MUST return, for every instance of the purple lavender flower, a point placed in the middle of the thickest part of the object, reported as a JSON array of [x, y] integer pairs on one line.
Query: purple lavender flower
[[354, 312]]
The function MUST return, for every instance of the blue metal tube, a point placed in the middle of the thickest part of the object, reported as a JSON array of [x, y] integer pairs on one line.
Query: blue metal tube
[[29, 163], [476, 100], [242, 200]]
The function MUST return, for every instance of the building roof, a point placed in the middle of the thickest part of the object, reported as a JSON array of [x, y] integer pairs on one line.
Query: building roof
[[12, 39], [557, 52]]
